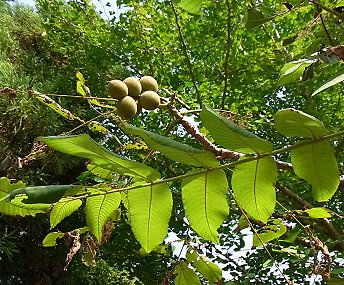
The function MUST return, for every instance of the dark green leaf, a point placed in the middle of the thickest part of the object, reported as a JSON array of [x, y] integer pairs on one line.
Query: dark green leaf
[[231, 136], [173, 149]]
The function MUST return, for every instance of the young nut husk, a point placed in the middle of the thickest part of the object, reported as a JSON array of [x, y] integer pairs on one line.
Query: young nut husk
[[117, 89], [149, 100]]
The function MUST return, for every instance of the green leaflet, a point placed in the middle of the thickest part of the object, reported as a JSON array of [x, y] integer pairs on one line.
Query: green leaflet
[[192, 6], [270, 232], [16, 207], [99, 210], [231, 136], [41, 194], [291, 122], [256, 18], [205, 202], [316, 163], [83, 146], [208, 269], [150, 210], [329, 84], [50, 239], [319, 213], [185, 275], [100, 172], [293, 70], [92, 125], [63, 209], [173, 149], [253, 187]]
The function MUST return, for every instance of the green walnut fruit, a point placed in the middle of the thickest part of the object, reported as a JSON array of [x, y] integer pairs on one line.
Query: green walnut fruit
[[149, 84], [117, 89], [134, 86], [127, 107], [149, 100]]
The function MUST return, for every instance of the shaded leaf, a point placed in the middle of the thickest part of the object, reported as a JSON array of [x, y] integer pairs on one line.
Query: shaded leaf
[[253, 187], [99, 210], [208, 269], [150, 210], [173, 149], [293, 71], [329, 84], [316, 163], [230, 135], [205, 202], [185, 275], [84, 146], [16, 206], [291, 122], [63, 209], [41, 194], [270, 232], [255, 18]]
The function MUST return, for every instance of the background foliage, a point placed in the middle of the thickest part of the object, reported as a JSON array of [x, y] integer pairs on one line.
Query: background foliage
[[229, 54]]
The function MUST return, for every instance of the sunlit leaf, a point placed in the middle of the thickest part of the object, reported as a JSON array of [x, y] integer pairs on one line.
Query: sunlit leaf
[[80, 77], [291, 122], [293, 71], [99, 210], [253, 187], [173, 149], [51, 238], [185, 275], [329, 84], [150, 210], [319, 213], [229, 135], [192, 6], [63, 209], [316, 163], [270, 232], [84, 146], [205, 202], [208, 269]]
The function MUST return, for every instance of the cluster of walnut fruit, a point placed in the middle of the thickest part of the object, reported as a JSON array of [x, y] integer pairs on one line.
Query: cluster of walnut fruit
[[133, 94]]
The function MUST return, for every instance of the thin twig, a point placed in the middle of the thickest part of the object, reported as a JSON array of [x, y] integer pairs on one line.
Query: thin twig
[[334, 12], [259, 238], [186, 54], [324, 26]]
